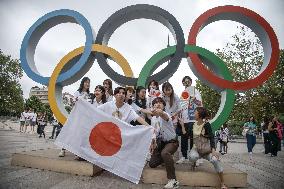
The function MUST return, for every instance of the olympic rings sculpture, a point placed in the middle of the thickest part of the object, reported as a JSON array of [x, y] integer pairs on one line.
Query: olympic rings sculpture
[[78, 62]]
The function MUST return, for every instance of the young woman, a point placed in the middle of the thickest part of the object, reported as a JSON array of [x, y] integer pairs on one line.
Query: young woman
[[23, 120], [266, 137], [99, 96], [82, 93], [129, 98], [200, 127], [84, 90], [139, 104], [33, 120], [28, 120], [250, 127], [108, 88], [42, 122], [273, 134], [190, 99], [172, 107], [153, 92], [167, 143], [120, 109], [279, 131], [225, 138]]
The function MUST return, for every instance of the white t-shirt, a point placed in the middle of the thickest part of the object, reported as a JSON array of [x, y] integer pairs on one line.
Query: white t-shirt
[[137, 109], [83, 95], [96, 104], [189, 105], [109, 98], [23, 116], [175, 107], [163, 129], [28, 116], [34, 116], [152, 95], [124, 113]]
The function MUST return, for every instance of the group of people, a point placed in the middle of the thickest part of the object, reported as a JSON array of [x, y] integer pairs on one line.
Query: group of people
[[29, 118], [169, 115], [222, 137], [272, 131]]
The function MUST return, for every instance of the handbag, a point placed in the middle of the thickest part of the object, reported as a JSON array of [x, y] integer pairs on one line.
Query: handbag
[[202, 144], [244, 132]]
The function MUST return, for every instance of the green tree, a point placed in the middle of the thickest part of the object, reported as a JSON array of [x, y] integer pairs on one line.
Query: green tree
[[48, 111], [34, 103], [244, 58], [11, 94]]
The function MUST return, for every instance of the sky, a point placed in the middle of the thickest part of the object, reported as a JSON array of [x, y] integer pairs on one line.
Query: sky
[[136, 40]]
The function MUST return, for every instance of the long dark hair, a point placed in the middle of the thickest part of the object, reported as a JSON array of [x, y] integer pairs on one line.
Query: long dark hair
[[166, 86], [155, 83], [141, 104], [82, 85], [129, 101], [103, 92], [109, 82], [265, 123], [202, 112], [252, 120]]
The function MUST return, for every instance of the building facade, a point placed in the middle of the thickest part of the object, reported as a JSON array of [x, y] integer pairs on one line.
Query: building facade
[[40, 93]]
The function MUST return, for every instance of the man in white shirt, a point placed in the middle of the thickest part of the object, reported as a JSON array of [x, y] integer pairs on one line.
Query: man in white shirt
[[192, 99]]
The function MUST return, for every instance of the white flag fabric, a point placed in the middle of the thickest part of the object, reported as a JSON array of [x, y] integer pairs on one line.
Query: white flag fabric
[[106, 141]]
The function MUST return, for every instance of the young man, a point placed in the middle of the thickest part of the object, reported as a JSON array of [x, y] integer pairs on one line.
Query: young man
[[167, 141], [192, 98]]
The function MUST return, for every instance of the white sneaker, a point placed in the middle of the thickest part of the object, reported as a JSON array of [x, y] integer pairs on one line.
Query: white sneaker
[[148, 157], [250, 155], [198, 162], [61, 153], [182, 160], [172, 183]]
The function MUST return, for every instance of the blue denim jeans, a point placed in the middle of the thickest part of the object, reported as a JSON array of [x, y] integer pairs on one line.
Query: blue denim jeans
[[251, 140], [194, 156]]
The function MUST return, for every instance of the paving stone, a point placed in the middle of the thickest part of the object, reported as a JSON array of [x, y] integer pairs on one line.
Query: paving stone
[[266, 172]]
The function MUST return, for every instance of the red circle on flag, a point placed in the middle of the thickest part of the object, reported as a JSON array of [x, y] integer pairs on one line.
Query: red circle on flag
[[185, 95], [105, 139]]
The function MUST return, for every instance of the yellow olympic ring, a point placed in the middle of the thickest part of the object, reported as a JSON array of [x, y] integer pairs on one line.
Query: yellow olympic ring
[[53, 88]]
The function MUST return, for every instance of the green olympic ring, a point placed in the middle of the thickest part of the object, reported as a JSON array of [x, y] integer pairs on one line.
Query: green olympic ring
[[227, 96]]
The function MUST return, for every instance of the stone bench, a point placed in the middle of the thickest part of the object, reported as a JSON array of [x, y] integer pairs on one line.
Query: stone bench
[[203, 175]]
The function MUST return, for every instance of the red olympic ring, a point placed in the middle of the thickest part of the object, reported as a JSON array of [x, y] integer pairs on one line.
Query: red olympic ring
[[228, 11]]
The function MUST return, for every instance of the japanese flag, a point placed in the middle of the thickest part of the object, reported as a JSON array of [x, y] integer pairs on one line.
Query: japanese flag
[[106, 141]]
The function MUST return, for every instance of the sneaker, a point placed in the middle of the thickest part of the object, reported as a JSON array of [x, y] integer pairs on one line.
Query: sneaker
[[250, 155], [148, 157], [61, 153], [182, 160], [172, 183], [198, 162]]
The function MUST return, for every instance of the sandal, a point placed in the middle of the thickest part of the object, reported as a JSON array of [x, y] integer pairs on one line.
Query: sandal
[[224, 186]]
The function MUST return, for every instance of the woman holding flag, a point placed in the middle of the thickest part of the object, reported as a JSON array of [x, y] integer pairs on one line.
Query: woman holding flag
[[82, 93]]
